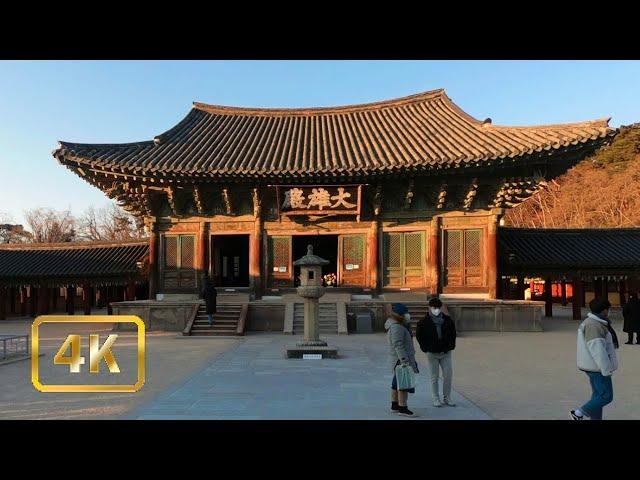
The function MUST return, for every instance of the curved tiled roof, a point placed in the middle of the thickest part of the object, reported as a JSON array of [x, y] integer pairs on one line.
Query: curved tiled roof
[[419, 132], [68, 260], [539, 249]]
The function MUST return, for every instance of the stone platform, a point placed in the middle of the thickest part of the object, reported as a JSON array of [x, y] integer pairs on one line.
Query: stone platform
[[298, 351]]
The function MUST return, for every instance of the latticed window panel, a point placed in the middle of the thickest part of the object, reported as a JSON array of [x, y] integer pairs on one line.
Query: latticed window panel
[[392, 249], [171, 252], [472, 248], [413, 249], [454, 248], [187, 251], [353, 250], [279, 258]]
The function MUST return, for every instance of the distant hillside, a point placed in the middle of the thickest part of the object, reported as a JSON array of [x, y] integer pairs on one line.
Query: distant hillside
[[601, 191]]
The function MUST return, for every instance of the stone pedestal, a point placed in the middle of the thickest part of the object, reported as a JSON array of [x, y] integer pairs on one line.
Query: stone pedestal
[[311, 290]]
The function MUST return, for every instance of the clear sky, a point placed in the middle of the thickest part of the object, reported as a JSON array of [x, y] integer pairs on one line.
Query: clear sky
[[42, 102]]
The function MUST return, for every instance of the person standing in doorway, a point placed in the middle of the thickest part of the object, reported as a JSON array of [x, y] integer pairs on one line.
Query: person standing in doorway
[[401, 352], [631, 314], [597, 344], [209, 294], [436, 334]]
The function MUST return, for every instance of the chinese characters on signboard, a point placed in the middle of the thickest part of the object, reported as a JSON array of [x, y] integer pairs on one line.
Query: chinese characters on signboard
[[343, 200]]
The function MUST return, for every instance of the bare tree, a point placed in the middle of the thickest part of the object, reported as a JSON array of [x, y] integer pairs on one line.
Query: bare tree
[[110, 223], [11, 232], [50, 226]]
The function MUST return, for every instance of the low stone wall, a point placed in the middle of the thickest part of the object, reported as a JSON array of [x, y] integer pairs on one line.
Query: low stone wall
[[157, 315], [468, 315]]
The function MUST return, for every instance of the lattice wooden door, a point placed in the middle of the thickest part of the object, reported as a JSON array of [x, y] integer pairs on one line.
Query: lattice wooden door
[[404, 259], [463, 258], [280, 262], [352, 260], [179, 271]]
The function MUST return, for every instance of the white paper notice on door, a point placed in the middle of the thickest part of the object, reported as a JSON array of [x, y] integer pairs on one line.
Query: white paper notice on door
[[282, 269], [349, 266], [356, 266]]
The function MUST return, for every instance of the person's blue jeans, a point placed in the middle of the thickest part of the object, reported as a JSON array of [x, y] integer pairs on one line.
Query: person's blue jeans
[[601, 395], [210, 315]]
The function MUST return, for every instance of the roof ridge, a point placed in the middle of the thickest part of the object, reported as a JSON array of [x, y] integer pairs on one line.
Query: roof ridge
[[602, 122], [227, 109], [72, 245]]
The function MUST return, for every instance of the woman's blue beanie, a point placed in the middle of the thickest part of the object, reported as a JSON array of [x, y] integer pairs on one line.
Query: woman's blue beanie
[[399, 308]]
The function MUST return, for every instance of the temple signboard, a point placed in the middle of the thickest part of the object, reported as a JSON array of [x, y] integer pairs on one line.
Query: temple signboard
[[319, 200]]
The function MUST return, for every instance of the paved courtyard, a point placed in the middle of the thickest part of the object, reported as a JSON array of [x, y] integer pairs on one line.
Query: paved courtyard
[[496, 375], [254, 381]]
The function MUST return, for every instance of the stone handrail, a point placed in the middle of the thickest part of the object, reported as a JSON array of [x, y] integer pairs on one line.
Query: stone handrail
[[192, 318], [243, 319]]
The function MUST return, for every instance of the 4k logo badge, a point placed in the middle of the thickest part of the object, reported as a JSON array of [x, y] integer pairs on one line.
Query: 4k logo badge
[[70, 354]]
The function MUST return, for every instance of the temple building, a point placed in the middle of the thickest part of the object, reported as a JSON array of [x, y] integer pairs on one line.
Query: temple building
[[401, 196]]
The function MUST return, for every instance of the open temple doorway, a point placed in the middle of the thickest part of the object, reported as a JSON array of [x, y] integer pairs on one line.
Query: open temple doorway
[[230, 260], [324, 246]]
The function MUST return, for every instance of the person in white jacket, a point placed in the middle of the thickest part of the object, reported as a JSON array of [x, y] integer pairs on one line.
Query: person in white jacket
[[597, 344]]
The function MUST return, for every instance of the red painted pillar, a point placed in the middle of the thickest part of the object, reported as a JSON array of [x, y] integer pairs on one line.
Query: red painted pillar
[[109, 299], [622, 290], [130, 291], [12, 302], [578, 296], [55, 293], [33, 311], [434, 255], [255, 241], [153, 262], [3, 302], [43, 300], [372, 257], [86, 299], [492, 257], [71, 293], [563, 292], [520, 287], [548, 300], [605, 288], [23, 301]]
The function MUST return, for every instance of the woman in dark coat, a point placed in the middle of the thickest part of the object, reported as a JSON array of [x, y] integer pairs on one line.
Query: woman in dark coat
[[209, 294], [631, 314]]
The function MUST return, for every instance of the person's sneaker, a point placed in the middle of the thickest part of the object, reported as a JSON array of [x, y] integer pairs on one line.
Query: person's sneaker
[[573, 416], [448, 403], [394, 407], [437, 403], [405, 412]]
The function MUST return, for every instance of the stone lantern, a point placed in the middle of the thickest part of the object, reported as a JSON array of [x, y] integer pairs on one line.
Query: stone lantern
[[311, 290]]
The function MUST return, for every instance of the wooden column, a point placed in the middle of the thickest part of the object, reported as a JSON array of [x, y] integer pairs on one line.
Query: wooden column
[[372, 257], [605, 288], [255, 243], [492, 257], [33, 304], [12, 303], [622, 290], [3, 302], [578, 296], [201, 256], [71, 293], [597, 288], [55, 293], [520, 287], [563, 292], [43, 300], [23, 301], [153, 261], [109, 299], [86, 298], [434, 255], [548, 305], [131, 291]]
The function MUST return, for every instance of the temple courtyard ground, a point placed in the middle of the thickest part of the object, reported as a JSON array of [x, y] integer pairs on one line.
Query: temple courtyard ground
[[496, 376]]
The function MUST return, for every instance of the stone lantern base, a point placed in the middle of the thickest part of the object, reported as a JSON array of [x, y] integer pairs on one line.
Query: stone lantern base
[[300, 350]]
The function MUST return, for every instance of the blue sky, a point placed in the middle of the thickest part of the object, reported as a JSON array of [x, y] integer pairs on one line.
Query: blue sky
[[42, 102]]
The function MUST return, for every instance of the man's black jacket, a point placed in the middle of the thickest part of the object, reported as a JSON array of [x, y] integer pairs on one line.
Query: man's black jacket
[[427, 335]]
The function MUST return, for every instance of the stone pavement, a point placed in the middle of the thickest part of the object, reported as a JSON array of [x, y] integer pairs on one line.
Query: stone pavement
[[254, 380]]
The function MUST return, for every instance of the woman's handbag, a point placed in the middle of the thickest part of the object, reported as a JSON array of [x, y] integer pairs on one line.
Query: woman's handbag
[[405, 377]]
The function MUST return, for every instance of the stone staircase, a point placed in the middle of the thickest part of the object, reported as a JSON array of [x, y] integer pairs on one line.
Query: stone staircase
[[417, 311], [225, 321], [328, 318]]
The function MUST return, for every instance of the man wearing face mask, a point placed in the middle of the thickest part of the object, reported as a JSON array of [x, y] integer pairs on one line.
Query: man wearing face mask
[[436, 334]]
